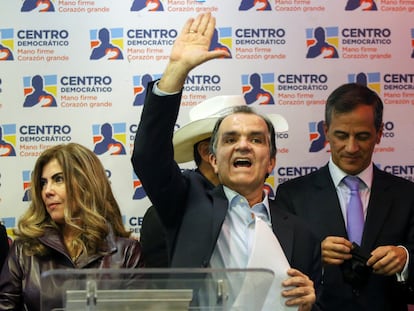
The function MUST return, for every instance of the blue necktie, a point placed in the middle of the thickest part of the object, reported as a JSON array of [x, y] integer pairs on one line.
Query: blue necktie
[[354, 210]]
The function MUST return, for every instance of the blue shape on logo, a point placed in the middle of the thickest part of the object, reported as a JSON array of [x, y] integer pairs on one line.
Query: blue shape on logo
[[106, 141], [255, 94], [103, 47], [258, 5], [319, 46], [140, 86], [366, 5], [38, 95], [26, 185], [6, 148], [149, 5], [316, 136], [38, 5], [215, 40], [5, 52], [139, 192], [412, 42], [371, 80]]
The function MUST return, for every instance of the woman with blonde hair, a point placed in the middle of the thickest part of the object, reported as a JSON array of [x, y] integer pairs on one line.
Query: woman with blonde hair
[[73, 221]]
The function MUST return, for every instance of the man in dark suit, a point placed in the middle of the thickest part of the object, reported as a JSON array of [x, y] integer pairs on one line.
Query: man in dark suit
[[203, 226], [353, 126], [191, 143]]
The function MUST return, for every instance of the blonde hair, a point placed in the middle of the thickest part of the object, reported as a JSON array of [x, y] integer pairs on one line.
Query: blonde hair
[[89, 197]]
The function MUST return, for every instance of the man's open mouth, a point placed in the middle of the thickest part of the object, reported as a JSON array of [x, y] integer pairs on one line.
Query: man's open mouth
[[242, 163]]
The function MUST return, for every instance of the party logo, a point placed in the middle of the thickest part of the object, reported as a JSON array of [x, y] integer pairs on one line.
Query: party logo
[[258, 89], [7, 140], [106, 43], [109, 138], [40, 91], [6, 44], [322, 42], [316, 136]]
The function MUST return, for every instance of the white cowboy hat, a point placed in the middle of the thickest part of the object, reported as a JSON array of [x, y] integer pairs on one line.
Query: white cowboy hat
[[203, 117]]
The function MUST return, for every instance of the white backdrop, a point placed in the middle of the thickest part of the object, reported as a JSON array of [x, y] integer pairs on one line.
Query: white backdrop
[[83, 94]]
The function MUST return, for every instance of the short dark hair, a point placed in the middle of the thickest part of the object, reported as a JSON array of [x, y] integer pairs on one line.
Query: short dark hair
[[247, 110], [348, 96], [196, 154]]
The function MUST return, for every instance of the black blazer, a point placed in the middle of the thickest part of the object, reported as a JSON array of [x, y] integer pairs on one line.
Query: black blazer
[[389, 221], [192, 215], [153, 236], [4, 245]]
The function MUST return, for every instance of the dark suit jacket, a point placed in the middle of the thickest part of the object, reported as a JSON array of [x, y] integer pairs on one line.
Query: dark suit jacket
[[153, 236], [389, 221], [153, 240], [192, 215], [4, 245]]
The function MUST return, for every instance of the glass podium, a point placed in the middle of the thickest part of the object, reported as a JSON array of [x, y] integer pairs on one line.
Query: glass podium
[[155, 289]]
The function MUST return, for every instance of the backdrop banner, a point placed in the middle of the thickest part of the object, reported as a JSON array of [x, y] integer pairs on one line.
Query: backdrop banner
[[76, 71]]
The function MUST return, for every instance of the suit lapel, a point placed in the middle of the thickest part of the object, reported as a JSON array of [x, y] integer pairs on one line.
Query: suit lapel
[[326, 204], [378, 209], [220, 207], [282, 229]]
